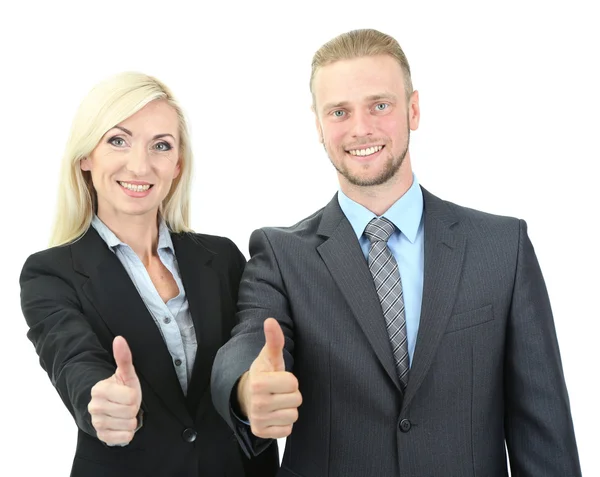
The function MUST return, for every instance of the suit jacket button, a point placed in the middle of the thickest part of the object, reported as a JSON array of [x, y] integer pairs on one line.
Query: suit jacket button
[[405, 425], [189, 435]]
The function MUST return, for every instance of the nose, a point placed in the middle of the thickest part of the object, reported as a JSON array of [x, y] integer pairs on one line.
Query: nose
[[362, 124], [138, 162]]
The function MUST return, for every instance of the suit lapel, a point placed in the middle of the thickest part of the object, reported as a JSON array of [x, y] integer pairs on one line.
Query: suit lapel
[[343, 257], [202, 290], [444, 253], [117, 301]]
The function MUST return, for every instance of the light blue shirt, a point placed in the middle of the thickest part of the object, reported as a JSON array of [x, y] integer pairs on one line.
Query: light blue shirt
[[406, 244], [173, 318]]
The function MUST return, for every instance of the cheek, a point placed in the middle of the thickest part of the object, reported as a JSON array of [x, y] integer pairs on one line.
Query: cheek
[[167, 170], [391, 125], [334, 134], [106, 164]]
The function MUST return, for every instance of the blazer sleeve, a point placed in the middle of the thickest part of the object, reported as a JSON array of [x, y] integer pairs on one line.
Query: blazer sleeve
[[262, 294], [539, 429], [66, 344]]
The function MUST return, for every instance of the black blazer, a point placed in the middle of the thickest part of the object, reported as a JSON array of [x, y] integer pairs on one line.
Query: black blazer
[[77, 298]]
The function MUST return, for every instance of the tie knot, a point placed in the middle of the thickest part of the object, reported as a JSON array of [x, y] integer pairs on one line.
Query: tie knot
[[379, 229]]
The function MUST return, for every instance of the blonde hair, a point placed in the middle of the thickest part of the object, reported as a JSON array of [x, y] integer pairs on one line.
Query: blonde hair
[[109, 103], [357, 44]]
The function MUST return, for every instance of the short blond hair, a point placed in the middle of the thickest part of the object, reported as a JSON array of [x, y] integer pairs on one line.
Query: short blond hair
[[358, 44], [107, 104]]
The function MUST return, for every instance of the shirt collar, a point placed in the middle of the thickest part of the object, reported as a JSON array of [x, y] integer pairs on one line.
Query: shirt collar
[[405, 213], [164, 236]]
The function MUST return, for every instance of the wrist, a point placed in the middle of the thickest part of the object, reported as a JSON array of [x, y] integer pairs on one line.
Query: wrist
[[239, 405]]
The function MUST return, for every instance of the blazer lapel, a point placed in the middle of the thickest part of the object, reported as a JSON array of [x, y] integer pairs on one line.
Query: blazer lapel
[[444, 253], [117, 301], [203, 293], [343, 257]]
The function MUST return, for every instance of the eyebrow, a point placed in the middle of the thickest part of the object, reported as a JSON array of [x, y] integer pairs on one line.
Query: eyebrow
[[158, 136], [373, 97], [126, 131], [377, 97]]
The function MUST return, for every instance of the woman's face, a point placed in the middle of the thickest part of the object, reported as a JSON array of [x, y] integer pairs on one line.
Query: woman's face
[[135, 163]]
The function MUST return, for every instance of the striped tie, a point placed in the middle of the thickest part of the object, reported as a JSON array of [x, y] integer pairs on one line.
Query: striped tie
[[384, 269]]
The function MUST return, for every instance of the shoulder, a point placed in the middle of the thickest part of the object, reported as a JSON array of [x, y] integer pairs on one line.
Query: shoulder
[[222, 252], [479, 217], [213, 244], [54, 260], [305, 229], [470, 220], [490, 235]]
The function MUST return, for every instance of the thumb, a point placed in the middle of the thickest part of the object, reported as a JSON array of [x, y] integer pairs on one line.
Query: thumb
[[274, 343], [125, 372]]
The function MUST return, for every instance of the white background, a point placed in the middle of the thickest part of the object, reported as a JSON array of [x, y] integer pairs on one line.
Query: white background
[[510, 107]]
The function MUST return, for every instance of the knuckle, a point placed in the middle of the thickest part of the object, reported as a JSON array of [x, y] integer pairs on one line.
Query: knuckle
[[256, 419], [98, 423], [259, 404], [256, 386], [131, 424], [134, 396], [257, 431], [294, 382], [95, 389]]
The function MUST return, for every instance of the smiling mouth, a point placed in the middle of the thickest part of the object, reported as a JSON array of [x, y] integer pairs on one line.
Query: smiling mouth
[[369, 151], [135, 187]]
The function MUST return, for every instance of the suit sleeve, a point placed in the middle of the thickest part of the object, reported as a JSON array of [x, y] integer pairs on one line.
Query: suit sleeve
[[262, 294], [68, 348], [538, 424]]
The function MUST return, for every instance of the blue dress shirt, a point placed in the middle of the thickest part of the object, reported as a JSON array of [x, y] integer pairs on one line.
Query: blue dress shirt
[[406, 244]]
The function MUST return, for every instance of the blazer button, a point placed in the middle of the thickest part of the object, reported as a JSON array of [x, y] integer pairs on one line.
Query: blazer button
[[405, 425], [189, 435]]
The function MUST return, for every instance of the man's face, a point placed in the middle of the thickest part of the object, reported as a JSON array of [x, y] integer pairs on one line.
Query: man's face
[[363, 117]]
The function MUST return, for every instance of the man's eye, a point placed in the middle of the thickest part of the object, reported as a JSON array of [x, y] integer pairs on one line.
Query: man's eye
[[163, 146], [117, 141], [381, 106], [338, 113]]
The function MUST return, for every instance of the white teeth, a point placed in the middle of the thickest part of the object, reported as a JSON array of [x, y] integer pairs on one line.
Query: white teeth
[[365, 152], [134, 187]]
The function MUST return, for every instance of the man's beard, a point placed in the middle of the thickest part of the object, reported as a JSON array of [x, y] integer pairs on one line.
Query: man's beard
[[390, 169]]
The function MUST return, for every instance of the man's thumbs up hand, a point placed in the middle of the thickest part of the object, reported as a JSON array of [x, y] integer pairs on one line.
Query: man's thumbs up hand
[[267, 394]]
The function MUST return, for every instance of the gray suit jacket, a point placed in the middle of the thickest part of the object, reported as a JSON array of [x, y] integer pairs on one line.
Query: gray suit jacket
[[486, 369]]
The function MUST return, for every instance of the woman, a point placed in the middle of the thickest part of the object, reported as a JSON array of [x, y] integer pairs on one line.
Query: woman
[[128, 308]]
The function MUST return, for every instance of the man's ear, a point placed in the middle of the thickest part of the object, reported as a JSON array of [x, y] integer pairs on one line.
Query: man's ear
[[414, 111]]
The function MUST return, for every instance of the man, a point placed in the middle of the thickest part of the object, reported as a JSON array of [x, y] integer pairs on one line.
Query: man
[[419, 332]]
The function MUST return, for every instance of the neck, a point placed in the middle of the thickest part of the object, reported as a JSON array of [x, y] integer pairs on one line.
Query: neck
[[378, 199], [140, 232]]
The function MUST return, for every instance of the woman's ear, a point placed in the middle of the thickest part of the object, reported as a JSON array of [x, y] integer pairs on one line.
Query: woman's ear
[[85, 164]]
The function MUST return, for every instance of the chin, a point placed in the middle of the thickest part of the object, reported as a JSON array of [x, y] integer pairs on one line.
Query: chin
[[136, 211]]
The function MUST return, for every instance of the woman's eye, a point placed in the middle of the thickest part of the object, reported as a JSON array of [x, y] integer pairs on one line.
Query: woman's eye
[[117, 141], [163, 146]]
